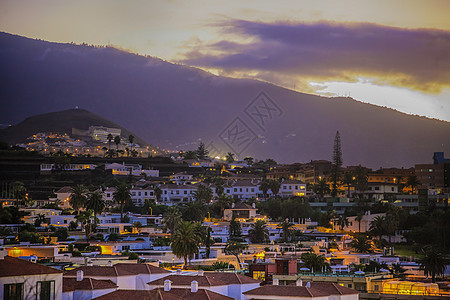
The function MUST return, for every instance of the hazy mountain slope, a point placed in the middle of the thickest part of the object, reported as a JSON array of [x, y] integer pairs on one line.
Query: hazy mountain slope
[[59, 122], [169, 105]]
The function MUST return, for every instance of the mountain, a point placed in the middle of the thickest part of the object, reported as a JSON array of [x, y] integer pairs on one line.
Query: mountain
[[175, 106], [60, 122]]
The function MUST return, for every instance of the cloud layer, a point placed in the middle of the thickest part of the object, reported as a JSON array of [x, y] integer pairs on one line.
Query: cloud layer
[[296, 53]]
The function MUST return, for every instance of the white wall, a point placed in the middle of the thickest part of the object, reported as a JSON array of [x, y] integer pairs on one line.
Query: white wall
[[30, 284]]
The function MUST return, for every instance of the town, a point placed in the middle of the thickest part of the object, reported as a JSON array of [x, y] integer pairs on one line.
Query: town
[[114, 220]]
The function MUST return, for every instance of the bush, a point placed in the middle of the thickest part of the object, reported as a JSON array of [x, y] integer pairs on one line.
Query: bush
[[113, 237], [61, 233], [76, 254], [133, 256]]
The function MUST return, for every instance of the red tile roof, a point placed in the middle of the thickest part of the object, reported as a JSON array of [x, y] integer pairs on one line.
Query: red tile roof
[[333, 288], [65, 189], [139, 294], [71, 284], [185, 280], [287, 291], [141, 268], [231, 278], [98, 271], [201, 294], [11, 266]]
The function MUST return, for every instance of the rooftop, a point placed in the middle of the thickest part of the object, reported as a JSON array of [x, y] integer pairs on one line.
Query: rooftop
[[71, 284], [11, 266]]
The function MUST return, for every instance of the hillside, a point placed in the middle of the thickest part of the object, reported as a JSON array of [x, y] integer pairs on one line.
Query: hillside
[[59, 122], [175, 106]]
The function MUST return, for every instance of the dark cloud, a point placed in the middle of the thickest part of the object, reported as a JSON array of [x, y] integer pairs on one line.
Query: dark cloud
[[415, 58]]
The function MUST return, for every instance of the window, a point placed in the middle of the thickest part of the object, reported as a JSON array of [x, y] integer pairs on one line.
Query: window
[[259, 275], [45, 290], [13, 291], [377, 188]]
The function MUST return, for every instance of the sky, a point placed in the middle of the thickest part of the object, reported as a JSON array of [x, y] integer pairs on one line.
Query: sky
[[393, 53]]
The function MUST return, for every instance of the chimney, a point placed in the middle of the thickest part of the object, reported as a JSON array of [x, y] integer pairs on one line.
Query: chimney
[[80, 274], [232, 205], [194, 286], [200, 273], [299, 282], [167, 285], [3, 253], [178, 271], [308, 284], [90, 263], [253, 205], [110, 263], [275, 281]]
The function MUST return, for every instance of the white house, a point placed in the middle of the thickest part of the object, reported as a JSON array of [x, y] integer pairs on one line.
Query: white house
[[139, 195], [173, 194], [21, 279], [291, 188], [81, 288], [185, 281], [181, 177]]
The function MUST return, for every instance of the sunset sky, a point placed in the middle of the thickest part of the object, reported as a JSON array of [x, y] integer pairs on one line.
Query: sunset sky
[[389, 53]]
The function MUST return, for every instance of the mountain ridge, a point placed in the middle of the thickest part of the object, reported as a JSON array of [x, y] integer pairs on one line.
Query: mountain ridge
[[174, 105]]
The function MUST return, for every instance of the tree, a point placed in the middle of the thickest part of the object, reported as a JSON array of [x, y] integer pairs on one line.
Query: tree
[[343, 221], [274, 186], [185, 241], [190, 155], [235, 248], [203, 194], [40, 218], [224, 201], [95, 202], [117, 142], [158, 193], [235, 230], [73, 226], [286, 227], [412, 182], [229, 158], [264, 187], [321, 188], [131, 140], [204, 233], [337, 163], [361, 244], [348, 180], [258, 232], [313, 261], [249, 160], [361, 180], [78, 197], [110, 139], [85, 219], [19, 192], [377, 227], [171, 219], [433, 263], [358, 219], [122, 196], [61, 233], [138, 226], [202, 152]]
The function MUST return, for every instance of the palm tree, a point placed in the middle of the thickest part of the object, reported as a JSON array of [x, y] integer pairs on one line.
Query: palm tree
[[275, 186], [203, 194], [264, 187], [377, 227], [138, 226], [358, 219], [433, 263], [348, 180], [258, 232], [19, 192], [122, 196], [131, 140], [235, 248], [321, 187], [361, 180], [229, 158], [172, 217], [235, 230], [185, 241], [286, 226], [313, 261], [158, 193], [110, 139], [95, 202], [85, 219], [117, 142], [78, 196], [361, 244], [342, 222], [413, 182]]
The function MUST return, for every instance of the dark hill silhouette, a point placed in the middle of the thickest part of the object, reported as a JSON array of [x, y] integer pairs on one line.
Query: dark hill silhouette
[[60, 122], [170, 105]]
